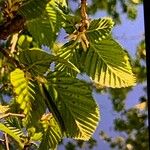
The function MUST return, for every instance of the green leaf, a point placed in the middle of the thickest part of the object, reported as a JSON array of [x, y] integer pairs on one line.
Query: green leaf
[[52, 106], [24, 90], [52, 134], [3, 109], [45, 29], [12, 124], [76, 105], [108, 64], [29, 98], [33, 8], [70, 22], [99, 29], [37, 136], [68, 52], [39, 61], [41, 30], [12, 133], [24, 42], [37, 113]]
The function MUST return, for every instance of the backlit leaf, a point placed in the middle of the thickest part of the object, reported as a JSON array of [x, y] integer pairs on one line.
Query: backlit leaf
[[16, 137], [108, 64], [99, 29], [24, 90]]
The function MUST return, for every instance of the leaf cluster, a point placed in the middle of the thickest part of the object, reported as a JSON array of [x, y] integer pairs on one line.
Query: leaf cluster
[[47, 101]]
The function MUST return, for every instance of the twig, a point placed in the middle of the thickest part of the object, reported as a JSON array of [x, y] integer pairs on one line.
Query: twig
[[79, 35], [2, 141], [11, 114], [6, 141], [84, 17]]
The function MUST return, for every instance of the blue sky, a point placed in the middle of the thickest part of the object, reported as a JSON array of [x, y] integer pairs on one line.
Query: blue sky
[[128, 34]]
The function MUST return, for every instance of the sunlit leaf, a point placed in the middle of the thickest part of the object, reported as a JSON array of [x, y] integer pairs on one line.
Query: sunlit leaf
[[3, 109], [24, 42], [16, 137], [24, 90], [99, 29], [136, 1], [141, 106], [108, 64]]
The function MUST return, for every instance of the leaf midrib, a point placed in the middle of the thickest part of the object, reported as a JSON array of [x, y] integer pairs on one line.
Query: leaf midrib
[[105, 62]]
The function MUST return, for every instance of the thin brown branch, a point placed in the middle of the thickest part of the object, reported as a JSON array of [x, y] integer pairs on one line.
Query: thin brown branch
[[84, 17], [6, 141], [11, 114], [81, 28]]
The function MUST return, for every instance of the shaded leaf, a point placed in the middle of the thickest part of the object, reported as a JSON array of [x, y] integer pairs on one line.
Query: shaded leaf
[[33, 8], [39, 61], [77, 106], [45, 29], [41, 30], [52, 106]]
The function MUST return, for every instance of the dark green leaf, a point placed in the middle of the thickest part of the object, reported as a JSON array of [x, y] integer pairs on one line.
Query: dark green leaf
[[76, 105]]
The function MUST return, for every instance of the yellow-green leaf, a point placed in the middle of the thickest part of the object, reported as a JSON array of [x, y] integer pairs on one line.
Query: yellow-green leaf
[[108, 64], [99, 29], [52, 133], [16, 137], [24, 90]]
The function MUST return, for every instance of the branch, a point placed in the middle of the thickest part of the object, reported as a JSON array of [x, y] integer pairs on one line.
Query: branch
[[6, 141], [85, 20], [2, 141], [11, 114], [84, 15], [79, 34]]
